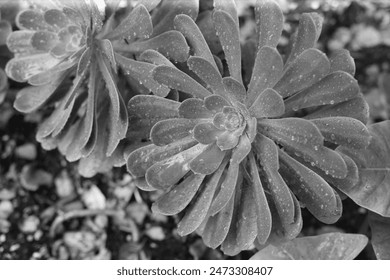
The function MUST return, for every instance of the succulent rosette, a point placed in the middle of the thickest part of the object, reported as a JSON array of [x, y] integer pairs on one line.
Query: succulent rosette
[[238, 160], [73, 53]]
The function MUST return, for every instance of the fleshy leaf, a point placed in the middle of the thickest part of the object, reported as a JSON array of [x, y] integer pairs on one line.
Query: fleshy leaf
[[206, 133], [267, 152], [228, 6], [193, 108], [312, 190], [208, 161], [198, 44], [215, 103], [149, 4], [229, 139], [163, 18], [155, 57], [309, 30], [52, 73], [371, 191], [307, 69], [56, 18], [171, 44], [196, 212], [179, 196], [44, 40], [228, 33], [168, 172], [356, 108], [341, 60], [107, 49], [303, 138], [19, 41], [264, 219], [137, 24], [170, 130], [380, 230], [32, 20], [329, 246], [268, 104], [208, 73], [344, 131], [217, 226], [22, 68], [117, 113], [174, 78], [235, 91], [269, 21], [335, 88], [140, 160], [267, 71], [142, 72]]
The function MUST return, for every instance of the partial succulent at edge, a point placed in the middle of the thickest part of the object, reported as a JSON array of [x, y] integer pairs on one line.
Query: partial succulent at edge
[[240, 159]]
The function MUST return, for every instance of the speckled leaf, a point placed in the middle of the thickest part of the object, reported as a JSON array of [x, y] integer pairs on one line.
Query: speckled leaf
[[215, 103], [117, 112], [163, 18], [206, 133], [234, 91], [217, 226], [307, 69], [56, 18], [19, 41], [329, 246], [227, 189], [229, 139], [208, 161], [170, 130], [137, 24], [309, 30], [356, 108], [264, 219], [168, 172], [52, 73], [311, 189], [196, 212], [149, 4], [32, 20], [266, 73], [193, 108], [344, 131], [372, 190], [171, 44], [268, 104], [269, 21], [197, 42], [228, 33], [228, 6], [30, 99], [341, 60], [267, 152], [208, 73], [334, 88], [380, 230], [141, 159], [303, 138], [21, 69], [44, 40], [142, 72], [155, 57], [146, 110], [174, 78], [179, 196]]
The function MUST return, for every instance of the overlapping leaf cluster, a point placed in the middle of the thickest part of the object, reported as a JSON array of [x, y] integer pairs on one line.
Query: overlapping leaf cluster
[[255, 142], [76, 55]]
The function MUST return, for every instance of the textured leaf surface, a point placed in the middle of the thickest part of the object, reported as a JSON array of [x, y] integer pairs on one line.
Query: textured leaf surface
[[269, 21], [267, 71], [228, 33], [206, 133], [335, 88], [170, 130], [307, 69], [193, 108], [268, 104], [174, 201], [341, 60], [196, 212], [174, 78], [372, 190], [380, 230], [208, 161], [330, 246]]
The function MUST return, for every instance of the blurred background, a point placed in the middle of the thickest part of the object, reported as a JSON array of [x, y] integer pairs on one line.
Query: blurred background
[[47, 211]]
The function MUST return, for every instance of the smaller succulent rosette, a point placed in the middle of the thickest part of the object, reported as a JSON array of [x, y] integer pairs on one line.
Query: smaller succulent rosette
[[73, 54], [238, 160]]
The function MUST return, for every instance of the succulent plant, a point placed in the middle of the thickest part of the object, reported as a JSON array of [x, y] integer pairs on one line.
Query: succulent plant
[[256, 142], [75, 54]]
